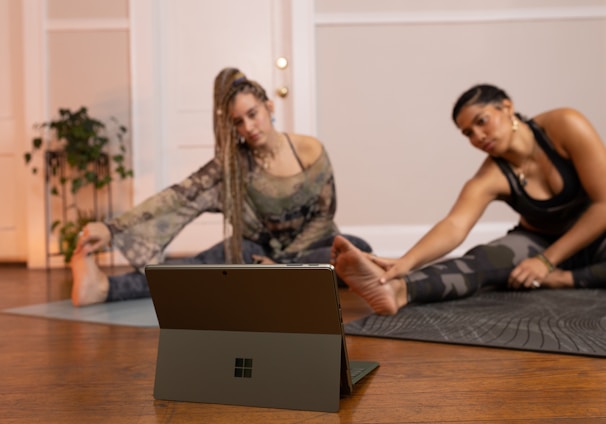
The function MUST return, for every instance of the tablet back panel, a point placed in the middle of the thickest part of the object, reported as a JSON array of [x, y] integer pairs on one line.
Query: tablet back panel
[[252, 335]]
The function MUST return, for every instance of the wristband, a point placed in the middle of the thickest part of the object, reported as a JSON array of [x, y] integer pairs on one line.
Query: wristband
[[545, 261]]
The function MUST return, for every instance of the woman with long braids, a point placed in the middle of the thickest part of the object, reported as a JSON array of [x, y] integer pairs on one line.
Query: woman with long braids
[[276, 192], [550, 169]]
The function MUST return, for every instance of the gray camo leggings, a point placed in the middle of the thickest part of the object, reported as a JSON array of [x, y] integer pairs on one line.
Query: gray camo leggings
[[489, 265]]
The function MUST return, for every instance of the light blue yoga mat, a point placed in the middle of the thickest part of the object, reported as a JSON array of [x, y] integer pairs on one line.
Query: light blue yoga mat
[[135, 313]]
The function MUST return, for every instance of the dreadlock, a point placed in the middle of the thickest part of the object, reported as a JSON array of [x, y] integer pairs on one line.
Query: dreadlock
[[229, 83]]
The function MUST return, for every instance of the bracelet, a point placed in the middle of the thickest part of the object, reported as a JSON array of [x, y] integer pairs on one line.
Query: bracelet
[[546, 261]]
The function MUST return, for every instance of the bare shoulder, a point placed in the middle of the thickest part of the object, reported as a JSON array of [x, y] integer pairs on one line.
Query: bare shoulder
[[308, 148], [568, 129], [561, 119]]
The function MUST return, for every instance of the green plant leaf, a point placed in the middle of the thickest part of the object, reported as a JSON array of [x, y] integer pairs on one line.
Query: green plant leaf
[[83, 158]]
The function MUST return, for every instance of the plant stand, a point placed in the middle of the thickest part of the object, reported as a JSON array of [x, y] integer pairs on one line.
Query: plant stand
[[60, 203]]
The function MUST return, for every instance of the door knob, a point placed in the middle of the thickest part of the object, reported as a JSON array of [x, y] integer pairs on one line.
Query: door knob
[[281, 63], [282, 91]]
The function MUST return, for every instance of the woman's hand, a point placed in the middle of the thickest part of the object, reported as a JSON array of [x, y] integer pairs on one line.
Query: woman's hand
[[384, 263], [94, 236], [394, 268], [528, 274]]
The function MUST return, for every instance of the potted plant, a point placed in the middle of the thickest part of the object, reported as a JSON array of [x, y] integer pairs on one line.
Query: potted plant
[[78, 155]]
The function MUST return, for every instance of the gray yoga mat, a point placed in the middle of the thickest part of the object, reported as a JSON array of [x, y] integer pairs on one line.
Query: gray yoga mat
[[560, 321], [136, 313]]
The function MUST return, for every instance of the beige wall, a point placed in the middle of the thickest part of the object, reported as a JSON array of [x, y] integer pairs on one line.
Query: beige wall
[[388, 73]]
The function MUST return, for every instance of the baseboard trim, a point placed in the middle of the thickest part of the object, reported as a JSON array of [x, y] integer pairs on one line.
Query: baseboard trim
[[394, 240], [386, 240]]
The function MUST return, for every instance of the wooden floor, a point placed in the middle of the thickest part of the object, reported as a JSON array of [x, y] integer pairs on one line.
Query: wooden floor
[[55, 371]]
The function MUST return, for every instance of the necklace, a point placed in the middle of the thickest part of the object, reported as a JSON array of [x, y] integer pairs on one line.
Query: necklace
[[524, 167], [522, 179], [263, 156]]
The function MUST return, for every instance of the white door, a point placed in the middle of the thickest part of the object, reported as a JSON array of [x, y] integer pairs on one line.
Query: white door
[[12, 167], [178, 48]]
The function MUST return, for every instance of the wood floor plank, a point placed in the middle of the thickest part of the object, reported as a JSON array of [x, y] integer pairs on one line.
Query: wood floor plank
[[57, 371]]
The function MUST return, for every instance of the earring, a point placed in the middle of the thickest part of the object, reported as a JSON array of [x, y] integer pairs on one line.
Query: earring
[[273, 119], [514, 124]]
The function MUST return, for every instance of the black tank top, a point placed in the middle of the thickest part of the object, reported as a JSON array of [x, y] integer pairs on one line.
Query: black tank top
[[557, 214]]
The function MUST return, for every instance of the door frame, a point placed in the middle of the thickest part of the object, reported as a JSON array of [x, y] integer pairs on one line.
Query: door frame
[[35, 110], [304, 66]]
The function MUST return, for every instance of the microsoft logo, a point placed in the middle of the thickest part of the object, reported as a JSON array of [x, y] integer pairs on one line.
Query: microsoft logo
[[243, 368]]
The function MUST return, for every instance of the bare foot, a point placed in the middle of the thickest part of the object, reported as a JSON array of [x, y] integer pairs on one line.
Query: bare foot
[[558, 279], [90, 283], [362, 276]]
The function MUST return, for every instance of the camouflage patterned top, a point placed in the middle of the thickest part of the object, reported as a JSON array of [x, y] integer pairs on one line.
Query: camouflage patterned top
[[284, 214]]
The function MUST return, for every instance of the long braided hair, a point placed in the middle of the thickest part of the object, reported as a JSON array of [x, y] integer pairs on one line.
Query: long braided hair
[[229, 83]]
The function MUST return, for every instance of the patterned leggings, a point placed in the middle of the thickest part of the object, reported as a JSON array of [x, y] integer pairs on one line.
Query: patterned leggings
[[489, 265], [133, 285]]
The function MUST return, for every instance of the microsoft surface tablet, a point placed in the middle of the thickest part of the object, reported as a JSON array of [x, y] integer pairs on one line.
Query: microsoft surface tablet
[[256, 335]]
